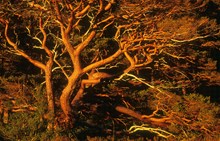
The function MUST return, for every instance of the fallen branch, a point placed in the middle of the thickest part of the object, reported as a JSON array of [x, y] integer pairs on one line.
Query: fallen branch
[[15, 109], [162, 122]]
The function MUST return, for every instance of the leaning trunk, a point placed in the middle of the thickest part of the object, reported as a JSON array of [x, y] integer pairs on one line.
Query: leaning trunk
[[66, 95]]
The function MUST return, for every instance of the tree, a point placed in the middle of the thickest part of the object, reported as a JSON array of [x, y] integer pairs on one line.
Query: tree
[[66, 21], [47, 67], [151, 39]]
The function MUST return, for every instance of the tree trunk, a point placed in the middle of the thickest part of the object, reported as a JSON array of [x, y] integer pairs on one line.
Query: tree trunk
[[66, 94], [50, 98]]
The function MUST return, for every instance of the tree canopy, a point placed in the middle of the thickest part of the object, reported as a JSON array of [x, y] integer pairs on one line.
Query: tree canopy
[[146, 59]]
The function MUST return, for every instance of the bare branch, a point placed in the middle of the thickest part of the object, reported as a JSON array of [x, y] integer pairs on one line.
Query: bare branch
[[190, 40], [102, 62], [158, 131], [32, 4], [20, 52], [50, 54], [81, 46], [109, 5], [61, 67], [81, 13]]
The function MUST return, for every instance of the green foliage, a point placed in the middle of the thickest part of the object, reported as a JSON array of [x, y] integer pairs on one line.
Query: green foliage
[[202, 115], [194, 116], [24, 125]]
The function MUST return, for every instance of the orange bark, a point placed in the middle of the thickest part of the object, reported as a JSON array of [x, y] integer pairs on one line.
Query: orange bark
[[162, 122], [47, 68]]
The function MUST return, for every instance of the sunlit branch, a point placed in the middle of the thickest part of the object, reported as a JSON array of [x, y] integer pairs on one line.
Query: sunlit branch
[[32, 4], [70, 23], [105, 20], [107, 25], [177, 57], [158, 131], [109, 5], [82, 12], [100, 7], [164, 121], [20, 52], [58, 14], [139, 79], [81, 46], [102, 62], [60, 66], [190, 40], [132, 62], [50, 54]]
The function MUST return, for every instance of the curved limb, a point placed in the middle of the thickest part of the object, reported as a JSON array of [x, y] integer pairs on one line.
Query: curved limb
[[79, 94]]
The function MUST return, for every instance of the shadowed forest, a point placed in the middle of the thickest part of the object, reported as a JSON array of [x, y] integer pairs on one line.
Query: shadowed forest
[[109, 70]]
